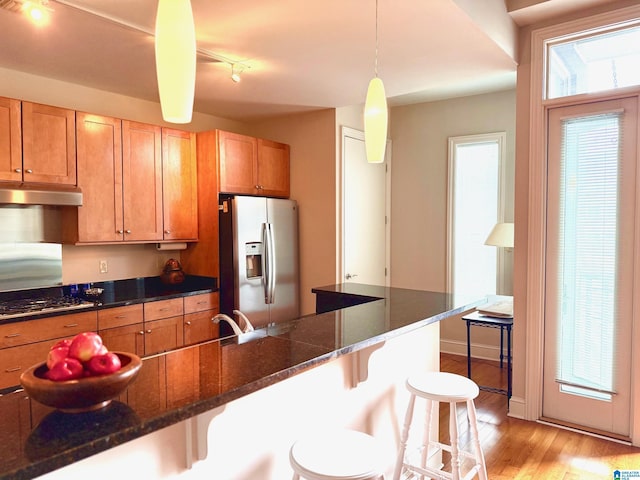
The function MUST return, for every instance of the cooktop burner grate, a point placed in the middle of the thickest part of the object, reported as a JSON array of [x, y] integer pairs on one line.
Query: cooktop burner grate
[[31, 306]]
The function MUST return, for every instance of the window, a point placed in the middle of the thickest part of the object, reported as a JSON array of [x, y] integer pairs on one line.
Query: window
[[593, 63], [475, 205]]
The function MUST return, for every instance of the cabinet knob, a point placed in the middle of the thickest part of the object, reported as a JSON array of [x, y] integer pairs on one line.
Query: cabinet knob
[[149, 331], [119, 232], [140, 332], [167, 232], [18, 170], [28, 170], [127, 231], [187, 323]]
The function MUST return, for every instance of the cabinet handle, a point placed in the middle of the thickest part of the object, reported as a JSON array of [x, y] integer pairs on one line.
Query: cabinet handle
[[120, 316], [71, 325], [14, 369], [187, 323], [18, 170], [28, 170], [12, 335], [164, 309]]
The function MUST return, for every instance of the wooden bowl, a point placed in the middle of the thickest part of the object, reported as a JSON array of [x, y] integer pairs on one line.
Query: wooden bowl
[[82, 394]]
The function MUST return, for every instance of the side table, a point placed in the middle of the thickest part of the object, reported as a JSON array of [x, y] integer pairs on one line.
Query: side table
[[503, 324]]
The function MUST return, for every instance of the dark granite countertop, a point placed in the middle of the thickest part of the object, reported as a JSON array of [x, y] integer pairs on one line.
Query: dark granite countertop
[[116, 293], [37, 439]]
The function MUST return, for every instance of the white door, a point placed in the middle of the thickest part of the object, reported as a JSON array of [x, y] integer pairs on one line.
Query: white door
[[365, 220], [591, 219]]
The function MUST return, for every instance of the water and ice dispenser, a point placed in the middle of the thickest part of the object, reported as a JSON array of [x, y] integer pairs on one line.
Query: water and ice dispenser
[[253, 259]]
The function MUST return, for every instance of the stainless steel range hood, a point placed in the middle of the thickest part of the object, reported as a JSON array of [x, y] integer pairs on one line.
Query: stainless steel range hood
[[21, 194]]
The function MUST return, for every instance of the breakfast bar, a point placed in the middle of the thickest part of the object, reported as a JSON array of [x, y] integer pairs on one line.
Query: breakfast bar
[[230, 407]]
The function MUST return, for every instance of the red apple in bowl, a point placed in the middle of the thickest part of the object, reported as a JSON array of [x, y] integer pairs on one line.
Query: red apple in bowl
[[104, 364], [65, 369], [85, 345], [56, 354]]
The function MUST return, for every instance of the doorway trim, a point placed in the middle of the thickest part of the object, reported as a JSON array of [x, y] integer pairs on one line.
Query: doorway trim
[[531, 408]]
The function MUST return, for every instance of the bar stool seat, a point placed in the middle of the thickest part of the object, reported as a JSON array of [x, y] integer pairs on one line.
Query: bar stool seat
[[452, 389], [337, 455]]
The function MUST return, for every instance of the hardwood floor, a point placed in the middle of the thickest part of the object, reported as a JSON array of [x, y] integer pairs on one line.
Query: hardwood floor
[[519, 449]]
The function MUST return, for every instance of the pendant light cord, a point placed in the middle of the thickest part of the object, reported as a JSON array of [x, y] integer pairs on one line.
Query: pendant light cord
[[376, 58]]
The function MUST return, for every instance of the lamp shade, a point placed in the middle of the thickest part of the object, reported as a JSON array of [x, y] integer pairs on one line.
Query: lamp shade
[[175, 59], [501, 235], [375, 121]]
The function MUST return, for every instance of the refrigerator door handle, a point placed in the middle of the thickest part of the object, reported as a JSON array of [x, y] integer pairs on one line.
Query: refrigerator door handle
[[269, 263]]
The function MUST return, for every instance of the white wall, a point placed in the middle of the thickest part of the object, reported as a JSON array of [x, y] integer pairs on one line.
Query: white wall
[[419, 192]]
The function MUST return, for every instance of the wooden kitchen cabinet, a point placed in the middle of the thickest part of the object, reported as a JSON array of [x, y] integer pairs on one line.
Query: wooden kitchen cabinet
[[120, 174], [37, 143], [143, 329], [252, 166], [179, 185], [273, 168], [23, 344], [198, 313], [122, 328], [10, 140], [48, 144]]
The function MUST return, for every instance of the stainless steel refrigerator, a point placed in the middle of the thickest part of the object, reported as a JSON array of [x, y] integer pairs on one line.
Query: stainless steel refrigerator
[[259, 259]]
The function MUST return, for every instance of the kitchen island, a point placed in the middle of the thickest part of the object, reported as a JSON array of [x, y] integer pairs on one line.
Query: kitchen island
[[230, 408]]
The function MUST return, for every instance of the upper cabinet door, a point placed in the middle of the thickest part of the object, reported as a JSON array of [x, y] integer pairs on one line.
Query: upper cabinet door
[[273, 168], [238, 163], [142, 181], [10, 140], [100, 177], [49, 144], [179, 185]]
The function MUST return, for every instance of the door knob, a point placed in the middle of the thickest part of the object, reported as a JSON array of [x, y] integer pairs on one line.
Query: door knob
[[349, 276]]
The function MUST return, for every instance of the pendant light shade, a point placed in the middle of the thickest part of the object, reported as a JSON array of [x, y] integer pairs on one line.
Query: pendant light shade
[[176, 59], [375, 114], [375, 121]]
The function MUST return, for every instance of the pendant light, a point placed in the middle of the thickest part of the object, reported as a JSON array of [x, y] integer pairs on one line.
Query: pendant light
[[175, 59], [375, 114]]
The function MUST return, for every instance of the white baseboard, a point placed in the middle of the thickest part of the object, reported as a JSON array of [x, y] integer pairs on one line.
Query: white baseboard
[[484, 352], [517, 407]]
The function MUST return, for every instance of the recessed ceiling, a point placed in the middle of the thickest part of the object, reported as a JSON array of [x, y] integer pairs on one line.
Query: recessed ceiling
[[300, 55]]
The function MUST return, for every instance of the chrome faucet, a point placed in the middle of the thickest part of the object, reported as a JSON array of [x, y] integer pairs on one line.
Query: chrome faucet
[[247, 327], [229, 320]]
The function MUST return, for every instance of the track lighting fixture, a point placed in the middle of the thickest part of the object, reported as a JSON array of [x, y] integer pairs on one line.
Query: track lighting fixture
[[236, 70]]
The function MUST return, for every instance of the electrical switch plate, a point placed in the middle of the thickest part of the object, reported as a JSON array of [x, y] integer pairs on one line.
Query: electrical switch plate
[[103, 266]]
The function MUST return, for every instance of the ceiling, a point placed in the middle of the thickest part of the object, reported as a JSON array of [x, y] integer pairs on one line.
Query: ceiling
[[299, 55]]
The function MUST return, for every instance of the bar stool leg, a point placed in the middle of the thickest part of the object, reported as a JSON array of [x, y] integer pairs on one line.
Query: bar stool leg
[[404, 438], [471, 412], [426, 436], [453, 433]]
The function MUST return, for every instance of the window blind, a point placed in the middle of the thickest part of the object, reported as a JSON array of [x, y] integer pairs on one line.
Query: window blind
[[588, 250]]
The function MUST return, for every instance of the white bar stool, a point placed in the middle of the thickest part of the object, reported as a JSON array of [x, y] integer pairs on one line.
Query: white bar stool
[[450, 388], [337, 455]]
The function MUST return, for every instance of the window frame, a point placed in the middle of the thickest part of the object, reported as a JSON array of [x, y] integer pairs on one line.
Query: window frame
[[503, 284]]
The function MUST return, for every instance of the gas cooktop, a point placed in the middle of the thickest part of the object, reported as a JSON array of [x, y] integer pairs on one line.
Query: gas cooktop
[[33, 306]]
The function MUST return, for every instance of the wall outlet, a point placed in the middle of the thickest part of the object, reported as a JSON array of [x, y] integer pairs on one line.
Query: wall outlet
[[103, 266]]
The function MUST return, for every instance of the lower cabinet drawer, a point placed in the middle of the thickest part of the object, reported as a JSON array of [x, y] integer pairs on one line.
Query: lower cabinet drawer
[[120, 316], [15, 360], [30, 331]]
